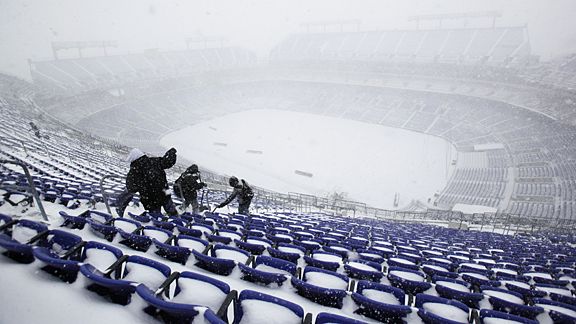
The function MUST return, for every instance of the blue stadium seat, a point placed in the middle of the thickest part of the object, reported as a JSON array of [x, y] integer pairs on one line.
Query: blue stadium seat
[[61, 254], [251, 304], [267, 277], [17, 239], [410, 281], [458, 290], [380, 302], [510, 302], [120, 287], [434, 309], [558, 311], [222, 266], [182, 307], [501, 316], [327, 318], [363, 270], [331, 296]]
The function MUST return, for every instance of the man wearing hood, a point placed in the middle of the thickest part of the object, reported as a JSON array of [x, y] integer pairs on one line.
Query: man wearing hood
[[147, 177]]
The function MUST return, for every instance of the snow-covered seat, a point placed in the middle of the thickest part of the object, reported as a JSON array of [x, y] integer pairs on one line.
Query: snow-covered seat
[[231, 253], [215, 265], [280, 237], [341, 249], [324, 260], [101, 256], [16, 239], [434, 309], [233, 234], [252, 247], [478, 279], [215, 238], [205, 228], [136, 270], [456, 289], [488, 316], [410, 281], [135, 239], [172, 252], [371, 255], [183, 305], [255, 307], [327, 318], [559, 312], [192, 243], [380, 302], [288, 256], [141, 218], [164, 224], [188, 231], [310, 245], [79, 221], [322, 286], [403, 262], [510, 302], [60, 252], [364, 270], [435, 269], [556, 293], [6, 221], [157, 233], [268, 270], [523, 288]]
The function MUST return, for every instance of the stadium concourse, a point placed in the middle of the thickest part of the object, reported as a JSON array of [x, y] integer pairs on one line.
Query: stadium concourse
[[67, 257]]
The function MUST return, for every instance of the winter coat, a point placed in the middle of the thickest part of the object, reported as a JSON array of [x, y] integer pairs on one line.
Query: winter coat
[[243, 192], [187, 185], [147, 177]]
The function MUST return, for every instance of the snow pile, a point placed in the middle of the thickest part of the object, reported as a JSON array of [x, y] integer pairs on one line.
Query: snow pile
[[231, 255], [23, 234], [447, 311], [407, 275], [453, 285], [502, 295], [140, 273], [380, 296], [191, 244], [100, 259], [258, 311], [325, 280], [198, 292]]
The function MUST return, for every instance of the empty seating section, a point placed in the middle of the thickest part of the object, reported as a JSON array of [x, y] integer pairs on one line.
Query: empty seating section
[[383, 271], [491, 45], [89, 73]]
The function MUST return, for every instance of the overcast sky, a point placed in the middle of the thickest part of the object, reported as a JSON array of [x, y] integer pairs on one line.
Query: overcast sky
[[27, 27]]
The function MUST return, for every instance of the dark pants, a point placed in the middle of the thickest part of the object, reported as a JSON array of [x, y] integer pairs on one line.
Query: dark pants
[[125, 197], [168, 206], [194, 203], [122, 201], [244, 207]]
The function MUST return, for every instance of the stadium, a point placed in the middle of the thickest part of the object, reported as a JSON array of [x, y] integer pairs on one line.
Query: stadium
[[424, 174]]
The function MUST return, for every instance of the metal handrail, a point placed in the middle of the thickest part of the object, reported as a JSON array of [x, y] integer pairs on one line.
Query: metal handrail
[[103, 192], [31, 188]]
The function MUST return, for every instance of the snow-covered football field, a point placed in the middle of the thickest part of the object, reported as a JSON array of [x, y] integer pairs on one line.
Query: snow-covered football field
[[297, 152]]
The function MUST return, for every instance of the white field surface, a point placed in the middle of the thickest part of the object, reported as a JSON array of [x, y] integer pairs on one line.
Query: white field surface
[[370, 163]]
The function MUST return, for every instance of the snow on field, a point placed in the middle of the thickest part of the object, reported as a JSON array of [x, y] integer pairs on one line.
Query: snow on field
[[267, 147]]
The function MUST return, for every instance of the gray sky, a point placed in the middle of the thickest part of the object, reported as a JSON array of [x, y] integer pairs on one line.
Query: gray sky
[[27, 27]]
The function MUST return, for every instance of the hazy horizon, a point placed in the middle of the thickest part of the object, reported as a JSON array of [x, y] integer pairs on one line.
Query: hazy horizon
[[28, 27]]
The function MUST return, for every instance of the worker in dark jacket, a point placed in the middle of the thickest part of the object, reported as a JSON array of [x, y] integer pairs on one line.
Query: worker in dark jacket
[[243, 192], [186, 187], [147, 177]]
